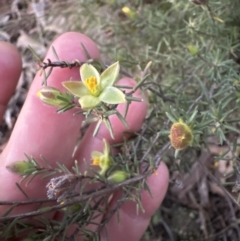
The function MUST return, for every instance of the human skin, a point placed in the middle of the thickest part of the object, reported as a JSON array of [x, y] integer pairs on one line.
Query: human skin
[[39, 130]]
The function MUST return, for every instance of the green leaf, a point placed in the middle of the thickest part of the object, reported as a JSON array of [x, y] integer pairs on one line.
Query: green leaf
[[170, 117], [89, 101], [55, 53], [76, 88], [109, 76], [122, 119], [87, 71], [112, 95]]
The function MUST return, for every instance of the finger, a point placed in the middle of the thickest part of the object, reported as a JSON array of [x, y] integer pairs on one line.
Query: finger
[[90, 143], [39, 130], [10, 70], [127, 224]]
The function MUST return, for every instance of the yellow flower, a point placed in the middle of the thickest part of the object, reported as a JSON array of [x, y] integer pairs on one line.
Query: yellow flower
[[103, 160], [180, 135], [96, 88]]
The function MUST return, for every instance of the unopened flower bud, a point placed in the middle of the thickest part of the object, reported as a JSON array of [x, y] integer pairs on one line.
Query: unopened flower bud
[[21, 167], [118, 176], [73, 208], [52, 96], [193, 50], [180, 135], [129, 13]]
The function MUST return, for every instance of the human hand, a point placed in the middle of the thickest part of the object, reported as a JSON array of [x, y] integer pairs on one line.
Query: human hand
[[39, 130]]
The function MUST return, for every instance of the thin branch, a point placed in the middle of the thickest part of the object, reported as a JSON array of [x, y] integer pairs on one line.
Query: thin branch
[[103, 191]]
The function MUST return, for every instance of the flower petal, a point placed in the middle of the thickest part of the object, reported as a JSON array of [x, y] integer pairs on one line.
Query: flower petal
[[109, 75], [95, 154], [112, 95], [76, 88], [89, 101], [88, 70]]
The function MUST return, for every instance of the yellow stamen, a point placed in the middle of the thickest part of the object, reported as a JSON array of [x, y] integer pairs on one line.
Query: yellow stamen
[[216, 164], [92, 84], [96, 161]]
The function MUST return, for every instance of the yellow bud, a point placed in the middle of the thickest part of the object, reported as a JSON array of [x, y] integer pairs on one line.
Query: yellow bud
[[51, 96], [180, 135], [128, 12], [118, 176]]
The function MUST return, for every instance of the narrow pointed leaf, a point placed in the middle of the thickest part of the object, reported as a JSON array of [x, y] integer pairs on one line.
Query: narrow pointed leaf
[[97, 128], [121, 118], [85, 51], [109, 127], [55, 53]]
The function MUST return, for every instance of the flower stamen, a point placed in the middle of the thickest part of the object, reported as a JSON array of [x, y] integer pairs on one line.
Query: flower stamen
[[92, 84], [181, 135], [96, 161]]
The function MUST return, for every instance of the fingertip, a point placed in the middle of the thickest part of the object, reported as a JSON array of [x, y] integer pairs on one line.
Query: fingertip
[[158, 183], [69, 48], [39, 116], [126, 228], [69, 45], [39, 130]]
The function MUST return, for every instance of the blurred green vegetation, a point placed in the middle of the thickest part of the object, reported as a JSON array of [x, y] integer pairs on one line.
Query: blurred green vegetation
[[195, 54]]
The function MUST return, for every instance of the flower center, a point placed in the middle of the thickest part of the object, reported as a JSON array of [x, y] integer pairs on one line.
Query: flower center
[[96, 161], [92, 85]]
